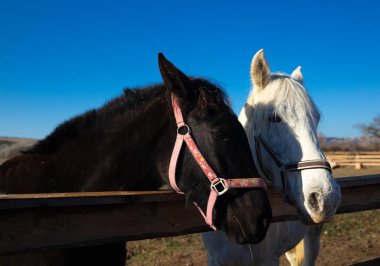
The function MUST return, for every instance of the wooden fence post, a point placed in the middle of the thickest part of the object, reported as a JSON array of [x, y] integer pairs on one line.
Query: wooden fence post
[[357, 162]]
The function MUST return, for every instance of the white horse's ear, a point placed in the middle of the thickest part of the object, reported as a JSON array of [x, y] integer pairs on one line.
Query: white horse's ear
[[260, 72], [297, 75]]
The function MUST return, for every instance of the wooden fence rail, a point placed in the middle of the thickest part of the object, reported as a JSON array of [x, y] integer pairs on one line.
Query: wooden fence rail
[[35, 221], [353, 152], [360, 159]]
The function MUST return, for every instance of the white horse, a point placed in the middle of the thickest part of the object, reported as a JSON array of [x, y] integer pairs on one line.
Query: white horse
[[281, 121]]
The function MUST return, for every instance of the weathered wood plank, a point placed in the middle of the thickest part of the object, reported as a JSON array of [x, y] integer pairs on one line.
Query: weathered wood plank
[[47, 227], [14, 201], [29, 222]]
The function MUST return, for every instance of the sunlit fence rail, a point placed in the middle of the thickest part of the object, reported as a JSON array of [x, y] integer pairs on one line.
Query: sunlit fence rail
[[40, 221], [356, 159]]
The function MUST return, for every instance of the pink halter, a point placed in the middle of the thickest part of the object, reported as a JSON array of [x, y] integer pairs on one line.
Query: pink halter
[[219, 185]]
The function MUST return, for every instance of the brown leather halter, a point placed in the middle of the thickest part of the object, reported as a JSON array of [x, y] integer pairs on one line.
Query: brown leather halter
[[283, 167]]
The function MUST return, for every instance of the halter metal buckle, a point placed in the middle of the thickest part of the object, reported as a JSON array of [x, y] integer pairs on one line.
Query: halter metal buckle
[[219, 186]]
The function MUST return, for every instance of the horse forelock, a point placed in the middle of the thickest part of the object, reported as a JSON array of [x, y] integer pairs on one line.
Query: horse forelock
[[211, 95], [284, 97]]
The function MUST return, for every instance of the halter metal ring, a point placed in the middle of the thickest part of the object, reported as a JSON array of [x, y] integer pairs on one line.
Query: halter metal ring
[[220, 186], [183, 127]]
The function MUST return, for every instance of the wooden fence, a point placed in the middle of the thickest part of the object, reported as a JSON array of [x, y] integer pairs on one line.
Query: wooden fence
[[357, 159], [35, 221]]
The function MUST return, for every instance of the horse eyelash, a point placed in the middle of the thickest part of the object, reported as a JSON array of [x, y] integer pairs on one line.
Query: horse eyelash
[[275, 118]]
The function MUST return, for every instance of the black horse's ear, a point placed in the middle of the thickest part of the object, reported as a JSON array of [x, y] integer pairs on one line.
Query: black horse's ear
[[176, 81]]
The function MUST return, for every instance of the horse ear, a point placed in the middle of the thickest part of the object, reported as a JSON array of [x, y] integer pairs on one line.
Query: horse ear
[[260, 72], [297, 75], [176, 81]]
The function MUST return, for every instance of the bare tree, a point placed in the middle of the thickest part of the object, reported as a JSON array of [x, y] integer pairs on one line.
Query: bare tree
[[321, 139], [372, 129]]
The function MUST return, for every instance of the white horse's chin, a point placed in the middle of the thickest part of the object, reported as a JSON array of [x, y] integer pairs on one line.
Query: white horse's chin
[[318, 219], [311, 218]]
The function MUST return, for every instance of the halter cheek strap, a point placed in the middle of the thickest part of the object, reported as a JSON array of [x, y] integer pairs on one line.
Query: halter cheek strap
[[218, 186]]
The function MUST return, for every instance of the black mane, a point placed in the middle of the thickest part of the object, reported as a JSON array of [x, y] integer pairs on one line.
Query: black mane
[[89, 121]]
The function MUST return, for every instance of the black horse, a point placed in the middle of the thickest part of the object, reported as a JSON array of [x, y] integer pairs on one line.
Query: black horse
[[127, 145]]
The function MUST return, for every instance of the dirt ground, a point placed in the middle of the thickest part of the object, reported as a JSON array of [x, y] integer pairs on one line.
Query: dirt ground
[[347, 240]]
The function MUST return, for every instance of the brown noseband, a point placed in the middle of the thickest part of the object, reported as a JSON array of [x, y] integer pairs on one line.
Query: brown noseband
[[283, 167]]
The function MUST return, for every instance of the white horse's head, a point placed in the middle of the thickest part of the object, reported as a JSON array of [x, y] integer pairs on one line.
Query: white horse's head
[[281, 122]]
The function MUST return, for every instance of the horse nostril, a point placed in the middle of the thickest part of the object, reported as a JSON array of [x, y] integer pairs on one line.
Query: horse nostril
[[314, 202]]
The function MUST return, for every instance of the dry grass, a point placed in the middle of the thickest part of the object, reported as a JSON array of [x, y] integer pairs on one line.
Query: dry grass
[[351, 171]]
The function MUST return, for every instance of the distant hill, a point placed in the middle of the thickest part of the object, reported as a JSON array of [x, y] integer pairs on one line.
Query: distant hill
[[349, 144], [10, 147]]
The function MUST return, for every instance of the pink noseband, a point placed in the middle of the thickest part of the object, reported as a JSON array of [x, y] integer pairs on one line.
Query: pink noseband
[[218, 185]]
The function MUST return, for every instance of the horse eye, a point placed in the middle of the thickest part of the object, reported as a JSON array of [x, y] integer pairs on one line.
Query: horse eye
[[219, 135], [275, 118]]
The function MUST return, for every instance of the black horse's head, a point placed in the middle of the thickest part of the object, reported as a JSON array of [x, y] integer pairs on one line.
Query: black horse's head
[[244, 214]]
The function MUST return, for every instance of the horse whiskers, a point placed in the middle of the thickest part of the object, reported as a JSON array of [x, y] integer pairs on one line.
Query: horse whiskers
[[243, 233]]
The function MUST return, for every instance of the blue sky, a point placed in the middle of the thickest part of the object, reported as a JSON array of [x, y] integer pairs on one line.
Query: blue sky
[[61, 58]]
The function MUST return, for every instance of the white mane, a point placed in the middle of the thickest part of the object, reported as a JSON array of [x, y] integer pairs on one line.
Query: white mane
[[284, 97]]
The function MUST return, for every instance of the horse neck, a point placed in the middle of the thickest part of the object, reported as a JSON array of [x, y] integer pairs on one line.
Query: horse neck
[[135, 156], [152, 145]]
